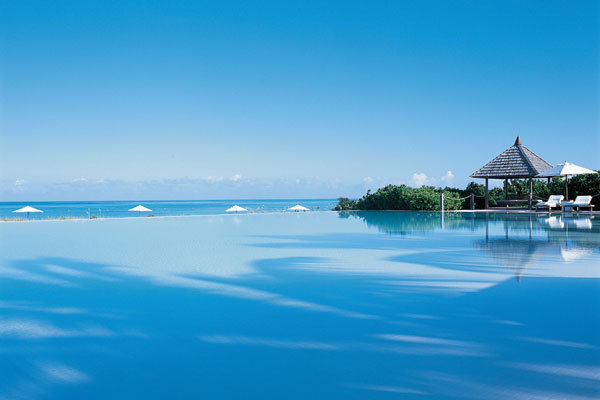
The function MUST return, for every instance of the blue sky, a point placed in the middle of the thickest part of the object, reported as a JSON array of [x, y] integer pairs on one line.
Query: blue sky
[[236, 99]]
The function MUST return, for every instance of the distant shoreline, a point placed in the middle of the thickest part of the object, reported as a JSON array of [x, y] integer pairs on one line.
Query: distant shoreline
[[121, 209], [487, 211], [166, 201], [146, 217]]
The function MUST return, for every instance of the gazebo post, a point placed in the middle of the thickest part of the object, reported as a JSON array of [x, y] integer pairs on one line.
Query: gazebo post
[[530, 192], [487, 194], [506, 189]]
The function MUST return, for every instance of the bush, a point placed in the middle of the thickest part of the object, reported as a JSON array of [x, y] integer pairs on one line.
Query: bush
[[423, 198], [392, 197], [345, 203], [427, 198], [582, 185]]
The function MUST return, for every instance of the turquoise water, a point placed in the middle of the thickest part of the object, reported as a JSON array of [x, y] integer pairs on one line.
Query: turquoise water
[[307, 305], [119, 209]]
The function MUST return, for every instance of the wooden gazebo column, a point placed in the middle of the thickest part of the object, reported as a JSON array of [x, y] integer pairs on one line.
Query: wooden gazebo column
[[530, 193], [487, 194]]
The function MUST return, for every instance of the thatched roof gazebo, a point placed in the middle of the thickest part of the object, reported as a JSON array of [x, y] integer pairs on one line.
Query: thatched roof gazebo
[[516, 162]]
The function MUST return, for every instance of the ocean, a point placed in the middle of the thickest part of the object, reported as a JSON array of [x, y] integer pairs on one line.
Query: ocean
[[119, 209]]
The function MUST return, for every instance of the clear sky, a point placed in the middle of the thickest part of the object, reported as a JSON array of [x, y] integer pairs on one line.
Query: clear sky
[[238, 99]]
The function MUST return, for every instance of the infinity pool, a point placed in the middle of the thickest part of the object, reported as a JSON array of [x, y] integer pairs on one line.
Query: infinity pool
[[294, 306]]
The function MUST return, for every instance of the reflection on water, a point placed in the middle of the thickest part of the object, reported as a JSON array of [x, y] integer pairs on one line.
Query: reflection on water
[[403, 223], [512, 240], [350, 305]]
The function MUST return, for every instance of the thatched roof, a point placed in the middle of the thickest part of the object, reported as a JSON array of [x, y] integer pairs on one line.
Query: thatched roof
[[515, 162]]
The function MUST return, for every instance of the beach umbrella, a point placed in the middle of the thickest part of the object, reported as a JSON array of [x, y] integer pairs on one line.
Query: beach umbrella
[[298, 207], [139, 209], [236, 209], [565, 169], [27, 209]]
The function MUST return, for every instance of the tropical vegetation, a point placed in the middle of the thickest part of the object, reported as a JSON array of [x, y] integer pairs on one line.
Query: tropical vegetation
[[427, 198]]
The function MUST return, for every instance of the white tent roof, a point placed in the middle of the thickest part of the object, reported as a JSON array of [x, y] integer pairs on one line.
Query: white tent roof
[[564, 169], [27, 209], [139, 208], [235, 208], [298, 207]]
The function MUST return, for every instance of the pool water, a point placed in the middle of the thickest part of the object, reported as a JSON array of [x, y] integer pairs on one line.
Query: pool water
[[318, 305]]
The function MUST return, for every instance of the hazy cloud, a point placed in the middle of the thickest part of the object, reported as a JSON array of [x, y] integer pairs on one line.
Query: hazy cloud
[[207, 187], [448, 178], [213, 179], [420, 179]]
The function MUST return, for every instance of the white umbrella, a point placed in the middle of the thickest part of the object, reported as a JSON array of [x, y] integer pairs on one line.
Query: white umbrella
[[139, 209], [565, 169], [298, 207], [235, 209], [27, 209]]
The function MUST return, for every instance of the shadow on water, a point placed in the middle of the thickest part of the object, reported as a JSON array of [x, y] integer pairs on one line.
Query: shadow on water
[[100, 333]]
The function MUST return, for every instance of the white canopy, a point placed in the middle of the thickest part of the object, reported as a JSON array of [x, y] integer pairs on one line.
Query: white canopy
[[236, 208], [27, 209], [565, 169], [298, 207], [139, 208]]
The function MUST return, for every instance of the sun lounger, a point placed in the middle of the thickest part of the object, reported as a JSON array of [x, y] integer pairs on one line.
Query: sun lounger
[[580, 202], [553, 201]]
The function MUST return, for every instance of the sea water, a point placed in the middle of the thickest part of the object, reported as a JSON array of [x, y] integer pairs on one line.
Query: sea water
[[120, 209], [301, 305]]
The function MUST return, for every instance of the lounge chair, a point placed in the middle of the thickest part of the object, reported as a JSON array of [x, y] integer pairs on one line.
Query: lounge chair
[[553, 201], [580, 202]]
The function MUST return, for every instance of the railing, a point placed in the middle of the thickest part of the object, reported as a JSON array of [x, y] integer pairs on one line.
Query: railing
[[447, 200], [453, 199], [444, 200]]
